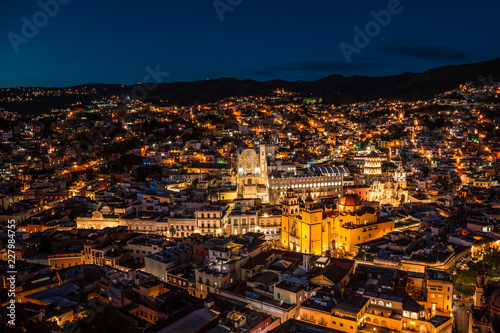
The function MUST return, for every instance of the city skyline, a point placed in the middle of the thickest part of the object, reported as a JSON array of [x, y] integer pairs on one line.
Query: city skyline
[[250, 166]]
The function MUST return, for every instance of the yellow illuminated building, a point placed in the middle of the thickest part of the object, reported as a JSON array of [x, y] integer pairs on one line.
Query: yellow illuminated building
[[303, 230], [372, 314], [314, 229], [354, 223]]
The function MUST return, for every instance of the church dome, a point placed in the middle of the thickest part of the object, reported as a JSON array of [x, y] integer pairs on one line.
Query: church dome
[[349, 203]]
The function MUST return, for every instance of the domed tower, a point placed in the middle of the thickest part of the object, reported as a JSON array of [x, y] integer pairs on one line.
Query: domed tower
[[400, 174], [290, 203], [373, 164], [481, 284], [350, 202]]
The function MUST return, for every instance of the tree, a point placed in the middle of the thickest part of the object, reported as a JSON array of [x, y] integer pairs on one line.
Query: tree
[[194, 182], [402, 200], [388, 166], [444, 182], [425, 171]]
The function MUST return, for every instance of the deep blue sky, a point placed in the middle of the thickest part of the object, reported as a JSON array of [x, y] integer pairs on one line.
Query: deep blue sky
[[111, 41]]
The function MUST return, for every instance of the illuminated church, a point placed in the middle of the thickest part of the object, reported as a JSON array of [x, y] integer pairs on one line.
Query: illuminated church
[[373, 164], [252, 174], [315, 229]]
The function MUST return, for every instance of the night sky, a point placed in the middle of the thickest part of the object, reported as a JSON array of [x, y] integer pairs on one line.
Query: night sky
[[114, 41]]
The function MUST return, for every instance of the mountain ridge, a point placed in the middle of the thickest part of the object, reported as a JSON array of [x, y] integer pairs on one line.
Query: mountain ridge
[[333, 88]]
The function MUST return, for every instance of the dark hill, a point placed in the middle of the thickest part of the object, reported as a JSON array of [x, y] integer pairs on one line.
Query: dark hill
[[333, 89]]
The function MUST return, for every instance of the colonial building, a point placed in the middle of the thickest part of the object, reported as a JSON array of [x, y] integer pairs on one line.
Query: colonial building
[[389, 192], [303, 230], [315, 229], [212, 219], [242, 220], [373, 164], [376, 302], [400, 174], [485, 312], [269, 222], [356, 222], [98, 220], [314, 182], [252, 174]]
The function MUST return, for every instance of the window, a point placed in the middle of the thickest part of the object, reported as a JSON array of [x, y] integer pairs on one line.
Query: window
[[279, 295]]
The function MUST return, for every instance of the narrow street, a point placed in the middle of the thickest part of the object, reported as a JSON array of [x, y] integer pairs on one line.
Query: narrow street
[[461, 316]]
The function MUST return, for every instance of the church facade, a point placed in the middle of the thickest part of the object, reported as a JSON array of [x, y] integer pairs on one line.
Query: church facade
[[252, 174], [315, 229]]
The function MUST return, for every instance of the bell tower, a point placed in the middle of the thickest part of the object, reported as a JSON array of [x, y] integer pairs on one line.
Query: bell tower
[[290, 203], [481, 284]]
